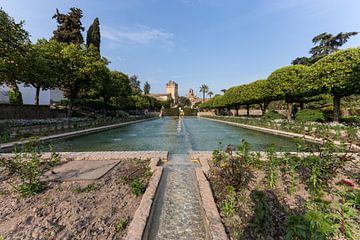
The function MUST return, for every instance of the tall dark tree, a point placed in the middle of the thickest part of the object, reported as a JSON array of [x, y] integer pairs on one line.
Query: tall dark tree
[[325, 44], [135, 84], [93, 34], [147, 88], [69, 26]]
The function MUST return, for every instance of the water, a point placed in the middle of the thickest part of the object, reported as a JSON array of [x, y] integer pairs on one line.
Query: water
[[176, 135]]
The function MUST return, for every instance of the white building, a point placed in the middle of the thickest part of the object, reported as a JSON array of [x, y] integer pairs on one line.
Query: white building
[[56, 95], [4, 96]]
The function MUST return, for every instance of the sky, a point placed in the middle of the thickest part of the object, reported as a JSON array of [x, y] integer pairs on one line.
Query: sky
[[221, 43]]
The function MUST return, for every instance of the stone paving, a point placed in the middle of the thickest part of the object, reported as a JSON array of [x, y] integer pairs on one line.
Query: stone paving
[[80, 170], [178, 212]]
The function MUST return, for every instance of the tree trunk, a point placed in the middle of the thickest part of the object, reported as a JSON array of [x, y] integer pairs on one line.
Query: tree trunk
[[248, 110], [301, 105], [70, 108], [289, 110], [37, 96], [106, 99], [263, 108], [203, 96], [237, 111], [336, 102]]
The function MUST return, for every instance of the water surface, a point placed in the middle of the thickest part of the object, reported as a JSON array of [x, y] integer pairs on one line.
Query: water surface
[[176, 135]]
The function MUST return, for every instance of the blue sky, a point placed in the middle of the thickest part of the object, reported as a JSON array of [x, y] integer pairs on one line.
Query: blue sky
[[221, 43]]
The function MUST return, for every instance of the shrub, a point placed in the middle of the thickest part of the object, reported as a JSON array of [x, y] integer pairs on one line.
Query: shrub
[[272, 115], [190, 112], [171, 112], [15, 98], [137, 187], [310, 115], [121, 225], [351, 120]]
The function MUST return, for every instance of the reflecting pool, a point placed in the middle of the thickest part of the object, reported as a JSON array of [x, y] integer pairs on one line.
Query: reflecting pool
[[176, 135]]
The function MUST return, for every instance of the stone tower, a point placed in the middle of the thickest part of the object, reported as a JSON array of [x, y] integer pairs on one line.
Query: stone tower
[[172, 89]]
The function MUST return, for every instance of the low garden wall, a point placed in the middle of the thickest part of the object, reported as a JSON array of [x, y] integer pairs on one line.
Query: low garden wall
[[8, 111]]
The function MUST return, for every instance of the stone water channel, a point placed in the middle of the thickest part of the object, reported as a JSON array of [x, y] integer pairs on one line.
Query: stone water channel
[[177, 211]]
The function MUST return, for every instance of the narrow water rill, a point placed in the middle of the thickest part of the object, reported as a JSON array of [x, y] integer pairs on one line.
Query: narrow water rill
[[177, 212]]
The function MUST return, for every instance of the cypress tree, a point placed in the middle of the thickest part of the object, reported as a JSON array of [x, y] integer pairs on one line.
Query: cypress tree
[[93, 34], [69, 26]]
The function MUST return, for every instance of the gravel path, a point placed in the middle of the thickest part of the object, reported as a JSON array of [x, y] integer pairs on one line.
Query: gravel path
[[177, 213]]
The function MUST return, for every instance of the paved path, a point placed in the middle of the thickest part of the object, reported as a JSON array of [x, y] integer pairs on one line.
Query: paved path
[[177, 213]]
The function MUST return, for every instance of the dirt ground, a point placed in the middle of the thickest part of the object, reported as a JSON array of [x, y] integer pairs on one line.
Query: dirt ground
[[72, 210], [279, 201]]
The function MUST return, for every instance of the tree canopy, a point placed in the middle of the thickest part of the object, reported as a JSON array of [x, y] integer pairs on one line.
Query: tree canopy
[[339, 75], [325, 44], [69, 29]]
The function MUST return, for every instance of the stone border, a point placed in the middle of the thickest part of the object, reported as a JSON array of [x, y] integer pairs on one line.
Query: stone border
[[212, 216], [279, 132], [137, 227], [106, 155], [7, 146], [215, 227]]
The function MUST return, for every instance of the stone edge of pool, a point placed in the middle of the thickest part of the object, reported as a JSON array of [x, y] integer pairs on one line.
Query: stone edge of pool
[[7, 146], [279, 133]]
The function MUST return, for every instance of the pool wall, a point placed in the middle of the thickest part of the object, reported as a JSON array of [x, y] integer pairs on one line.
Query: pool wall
[[6, 147]]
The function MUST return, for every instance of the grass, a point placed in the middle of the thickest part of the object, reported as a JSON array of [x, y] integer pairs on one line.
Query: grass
[[121, 225], [87, 189]]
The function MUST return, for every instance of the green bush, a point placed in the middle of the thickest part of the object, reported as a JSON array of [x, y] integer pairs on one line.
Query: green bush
[[351, 120], [171, 112], [272, 115], [310, 115], [15, 98], [190, 112]]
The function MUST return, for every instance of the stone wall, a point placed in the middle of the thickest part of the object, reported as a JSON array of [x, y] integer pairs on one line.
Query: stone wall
[[8, 111]]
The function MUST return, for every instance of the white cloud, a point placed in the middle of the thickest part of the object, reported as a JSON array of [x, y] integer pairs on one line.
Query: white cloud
[[139, 34]]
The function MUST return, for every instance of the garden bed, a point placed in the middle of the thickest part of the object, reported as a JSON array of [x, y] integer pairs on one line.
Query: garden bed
[[272, 197], [329, 131], [99, 209]]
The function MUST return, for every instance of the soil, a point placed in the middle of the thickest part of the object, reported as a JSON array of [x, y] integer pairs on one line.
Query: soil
[[72, 210], [280, 203]]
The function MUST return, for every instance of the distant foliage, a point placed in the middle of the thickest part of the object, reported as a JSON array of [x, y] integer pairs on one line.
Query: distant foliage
[[310, 115], [272, 115]]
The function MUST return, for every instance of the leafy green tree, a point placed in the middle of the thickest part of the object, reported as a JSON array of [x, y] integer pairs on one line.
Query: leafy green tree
[[14, 43], [41, 67], [325, 44], [93, 34], [210, 94], [69, 26], [204, 89], [290, 82], [77, 68], [120, 89], [147, 88], [184, 102], [260, 92], [339, 75]]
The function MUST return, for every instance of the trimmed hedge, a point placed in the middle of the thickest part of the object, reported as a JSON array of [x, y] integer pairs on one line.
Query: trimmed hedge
[[272, 115], [175, 112], [310, 115]]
